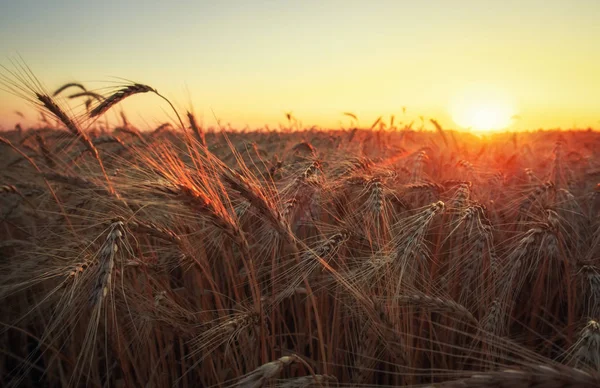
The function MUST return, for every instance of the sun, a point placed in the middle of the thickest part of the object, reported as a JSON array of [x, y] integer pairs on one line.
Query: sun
[[482, 109]]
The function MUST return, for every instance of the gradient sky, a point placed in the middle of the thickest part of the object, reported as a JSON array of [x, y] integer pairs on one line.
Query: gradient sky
[[251, 61]]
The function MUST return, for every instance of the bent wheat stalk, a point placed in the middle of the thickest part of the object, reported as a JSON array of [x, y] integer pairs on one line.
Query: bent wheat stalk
[[128, 91]]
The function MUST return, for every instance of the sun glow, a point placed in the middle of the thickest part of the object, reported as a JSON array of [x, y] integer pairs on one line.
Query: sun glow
[[482, 109]]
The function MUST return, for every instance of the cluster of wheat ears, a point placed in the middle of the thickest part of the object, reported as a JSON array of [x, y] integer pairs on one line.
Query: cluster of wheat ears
[[198, 258]]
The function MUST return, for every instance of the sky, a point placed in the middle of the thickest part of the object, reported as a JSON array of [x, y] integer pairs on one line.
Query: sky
[[247, 63]]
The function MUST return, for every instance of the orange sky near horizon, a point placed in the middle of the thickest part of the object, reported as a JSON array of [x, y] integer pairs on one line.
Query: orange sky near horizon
[[248, 63]]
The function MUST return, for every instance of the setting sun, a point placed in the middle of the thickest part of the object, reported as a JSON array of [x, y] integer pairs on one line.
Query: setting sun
[[482, 109]]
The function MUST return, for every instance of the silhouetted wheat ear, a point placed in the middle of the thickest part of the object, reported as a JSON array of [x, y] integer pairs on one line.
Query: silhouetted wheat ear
[[49, 104], [87, 94], [119, 96], [69, 85], [197, 130]]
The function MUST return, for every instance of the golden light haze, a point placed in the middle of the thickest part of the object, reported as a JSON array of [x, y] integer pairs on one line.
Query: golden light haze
[[482, 107], [250, 62]]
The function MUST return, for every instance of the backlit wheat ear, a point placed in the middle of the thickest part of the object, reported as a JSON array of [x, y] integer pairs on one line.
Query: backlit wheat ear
[[433, 303], [53, 108], [106, 262], [535, 195], [588, 346], [119, 96], [420, 158], [199, 201], [259, 201], [440, 130], [10, 189], [461, 196], [258, 377], [45, 151], [492, 322], [305, 147], [375, 196], [310, 261]]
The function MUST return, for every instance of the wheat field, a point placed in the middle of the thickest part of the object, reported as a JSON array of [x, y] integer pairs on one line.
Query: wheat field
[[197, 257]]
